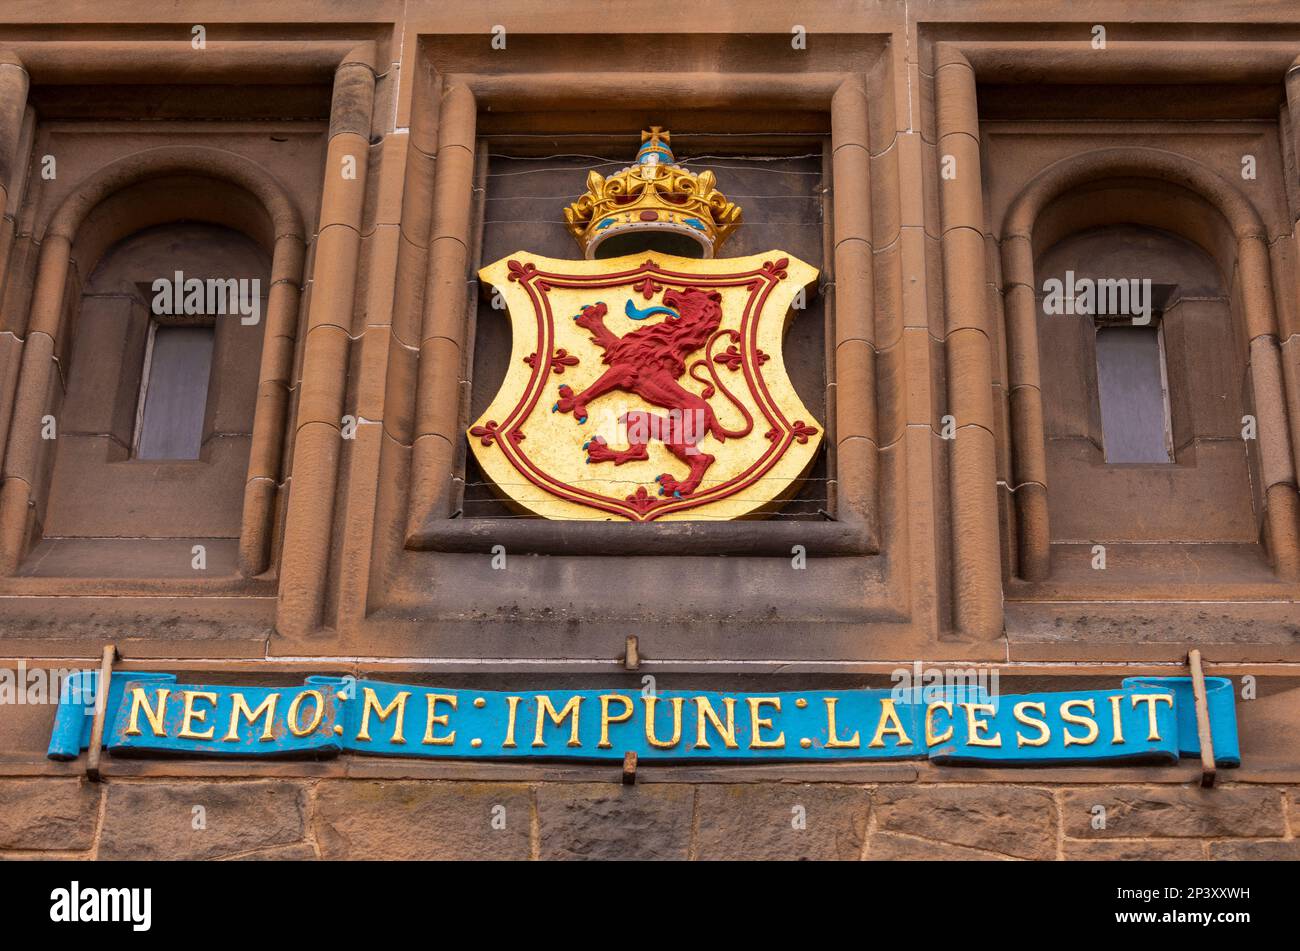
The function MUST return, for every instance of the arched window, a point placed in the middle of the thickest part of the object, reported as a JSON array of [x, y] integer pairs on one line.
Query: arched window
[[162, 379], [1142, 379]]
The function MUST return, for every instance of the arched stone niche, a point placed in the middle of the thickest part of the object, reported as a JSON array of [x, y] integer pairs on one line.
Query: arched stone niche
[[145, 190], [1149, 189]]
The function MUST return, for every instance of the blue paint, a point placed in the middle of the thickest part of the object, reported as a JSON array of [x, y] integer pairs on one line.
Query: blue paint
[[636, 313], [869, 724]]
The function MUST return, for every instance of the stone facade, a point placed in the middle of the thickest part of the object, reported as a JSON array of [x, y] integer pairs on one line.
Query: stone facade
[[936, 160], [469, 820]]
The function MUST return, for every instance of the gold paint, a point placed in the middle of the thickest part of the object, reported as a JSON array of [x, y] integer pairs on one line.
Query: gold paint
[[932, 738], [801, 703], [1151, 699], [973, 725], [546, 709], [397, 705], [889, 724], [670, 192], [1091, 736], [606, 719], [805, 743], [650, 723], [480, 702], [190, 715], [294, 708], [1044, 732], [240, 706], [512, 703], [436, 719], [155, 717], [703, 710], [1116, 719], [338, 729], [757, 724], [476, 742], [833, 742], [554, 441]]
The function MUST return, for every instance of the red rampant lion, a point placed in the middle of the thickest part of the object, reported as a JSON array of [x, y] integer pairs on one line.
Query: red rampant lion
[[648, 362]]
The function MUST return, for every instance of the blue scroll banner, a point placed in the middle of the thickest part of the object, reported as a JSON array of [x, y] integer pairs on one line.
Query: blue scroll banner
[[1149, 719]]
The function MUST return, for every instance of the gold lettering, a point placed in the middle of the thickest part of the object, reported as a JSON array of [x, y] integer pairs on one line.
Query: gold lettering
[[433, 718], [758, 723], [889, 724], [973, 725], [295, 726], [650, 723], [931, 738], [190, 715], [606, 719], [155, 717], [1044, 732], [239, 706], [1151, 699], [1116, 719], [513, 704], [1091, 736], [546, 709], [703, 710], [833, 742], [371, 703]]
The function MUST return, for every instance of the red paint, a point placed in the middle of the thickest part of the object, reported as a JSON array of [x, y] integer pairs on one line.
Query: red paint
[[641, 506]]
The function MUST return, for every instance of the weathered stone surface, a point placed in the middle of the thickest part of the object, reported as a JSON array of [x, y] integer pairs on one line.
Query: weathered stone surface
[[1119, 850], [892, 847], [1293, 810], [1276, 850], [1173, 811], [356, 819], [1007, 819], [53, 814], [608, 821], [297, 852], [157, 820], [780, 821]]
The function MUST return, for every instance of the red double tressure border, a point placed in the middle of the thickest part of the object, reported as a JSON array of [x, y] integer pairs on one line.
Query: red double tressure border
[[536, 283]]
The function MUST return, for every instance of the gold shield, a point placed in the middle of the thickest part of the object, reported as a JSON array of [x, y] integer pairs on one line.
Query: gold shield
[[647, 387]]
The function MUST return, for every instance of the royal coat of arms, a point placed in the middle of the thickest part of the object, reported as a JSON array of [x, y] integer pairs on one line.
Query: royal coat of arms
[[649, 385]]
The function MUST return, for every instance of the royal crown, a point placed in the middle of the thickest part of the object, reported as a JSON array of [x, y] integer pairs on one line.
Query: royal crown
[[655, 204]]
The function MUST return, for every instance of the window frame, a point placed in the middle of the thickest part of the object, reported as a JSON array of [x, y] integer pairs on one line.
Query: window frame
[[1156, 324], [155, 322]]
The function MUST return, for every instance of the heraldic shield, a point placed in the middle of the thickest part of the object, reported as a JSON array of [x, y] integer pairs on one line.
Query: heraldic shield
[[647, 387]]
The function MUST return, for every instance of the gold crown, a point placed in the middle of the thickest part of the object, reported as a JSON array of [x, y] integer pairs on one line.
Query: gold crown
[[652, 205]]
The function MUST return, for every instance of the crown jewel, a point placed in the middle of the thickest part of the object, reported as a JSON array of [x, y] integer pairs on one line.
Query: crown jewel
[[654, 204]]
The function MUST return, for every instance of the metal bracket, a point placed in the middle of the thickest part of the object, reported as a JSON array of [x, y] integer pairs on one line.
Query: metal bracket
[[1203, 733], [101, 710], [629, 769], [632, 656]]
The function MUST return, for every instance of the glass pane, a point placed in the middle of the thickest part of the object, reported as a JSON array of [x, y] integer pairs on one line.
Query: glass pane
[[176, 394], [1130, 384]]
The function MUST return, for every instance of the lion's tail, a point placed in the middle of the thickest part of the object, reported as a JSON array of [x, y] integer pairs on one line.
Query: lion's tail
[[717, 384]]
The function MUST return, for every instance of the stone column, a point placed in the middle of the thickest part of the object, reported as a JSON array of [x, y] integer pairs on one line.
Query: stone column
[[1277, 468], [972, 478], [442, 343], [266, 454], [318, 440], [13, 103], [37, 377], [856, 438]]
